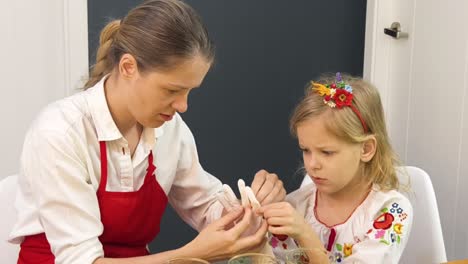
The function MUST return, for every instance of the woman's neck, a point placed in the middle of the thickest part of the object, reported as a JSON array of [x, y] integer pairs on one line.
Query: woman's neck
[[116, 96]]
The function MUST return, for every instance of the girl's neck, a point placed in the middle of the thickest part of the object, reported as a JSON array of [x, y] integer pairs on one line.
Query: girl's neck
[[351, 195], [116, 101], [333, 210]]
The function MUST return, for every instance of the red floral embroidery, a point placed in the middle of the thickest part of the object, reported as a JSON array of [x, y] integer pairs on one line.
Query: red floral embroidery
[[342, 98], [384, 221], [281, 237]]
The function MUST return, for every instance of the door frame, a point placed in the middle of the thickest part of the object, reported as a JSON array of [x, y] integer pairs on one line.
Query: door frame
[[75, 39], [377, 45]]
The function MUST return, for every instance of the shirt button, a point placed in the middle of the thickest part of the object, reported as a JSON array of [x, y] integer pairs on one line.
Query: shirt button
[[126, 182]]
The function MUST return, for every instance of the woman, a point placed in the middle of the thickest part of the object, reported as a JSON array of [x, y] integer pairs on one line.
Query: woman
[[99, 167]]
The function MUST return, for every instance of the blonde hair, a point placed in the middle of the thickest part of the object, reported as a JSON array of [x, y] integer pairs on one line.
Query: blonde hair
[[158, 33], [345, 125]]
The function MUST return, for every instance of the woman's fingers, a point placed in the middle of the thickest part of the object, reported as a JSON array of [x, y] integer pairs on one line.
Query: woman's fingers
[[277, 194], [243, 224], [258, 181], [254, 240], [229, 218], [268, 186]]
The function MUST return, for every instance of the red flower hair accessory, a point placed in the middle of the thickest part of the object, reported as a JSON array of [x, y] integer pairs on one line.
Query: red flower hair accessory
[[338, 94]]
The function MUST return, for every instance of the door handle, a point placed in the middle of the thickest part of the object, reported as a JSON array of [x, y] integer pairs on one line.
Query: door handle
[[394, 31]]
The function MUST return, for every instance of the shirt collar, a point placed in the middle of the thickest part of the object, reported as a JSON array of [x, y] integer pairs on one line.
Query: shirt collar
[[159, 131], [105, 126]]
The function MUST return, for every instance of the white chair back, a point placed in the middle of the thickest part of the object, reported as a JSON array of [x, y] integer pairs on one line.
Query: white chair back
[[8, 187], [426, 242]]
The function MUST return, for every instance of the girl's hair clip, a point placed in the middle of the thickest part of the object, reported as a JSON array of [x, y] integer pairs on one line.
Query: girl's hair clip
[[337, 95]]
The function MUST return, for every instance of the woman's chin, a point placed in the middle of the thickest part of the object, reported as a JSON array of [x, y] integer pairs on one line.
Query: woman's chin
[[152, 123]]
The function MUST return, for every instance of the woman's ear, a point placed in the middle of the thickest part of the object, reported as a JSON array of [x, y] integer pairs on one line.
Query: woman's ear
[[368, 148], [128, 67]]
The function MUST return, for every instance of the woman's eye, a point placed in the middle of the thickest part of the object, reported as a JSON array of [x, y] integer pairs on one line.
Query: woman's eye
[[304, 150], [327, 153], [172, 91]]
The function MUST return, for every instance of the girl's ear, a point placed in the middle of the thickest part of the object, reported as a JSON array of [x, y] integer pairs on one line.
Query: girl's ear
[[368, 148]]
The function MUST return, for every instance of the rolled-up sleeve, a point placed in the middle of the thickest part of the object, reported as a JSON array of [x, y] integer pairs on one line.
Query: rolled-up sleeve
[[65, 198], [193, 193]]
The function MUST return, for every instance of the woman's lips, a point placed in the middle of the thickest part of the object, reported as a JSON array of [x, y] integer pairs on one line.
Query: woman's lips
[[166, 117]]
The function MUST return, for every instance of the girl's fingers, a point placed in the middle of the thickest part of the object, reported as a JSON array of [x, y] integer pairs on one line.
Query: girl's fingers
[[267, 207], [278, 221], [275, 213], [278, 230]]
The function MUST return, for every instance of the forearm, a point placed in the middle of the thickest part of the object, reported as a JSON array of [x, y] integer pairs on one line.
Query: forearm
[[310, 240]]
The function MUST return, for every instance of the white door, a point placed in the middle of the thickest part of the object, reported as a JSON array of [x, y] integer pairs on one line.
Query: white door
[[423, 81], [44, 56]]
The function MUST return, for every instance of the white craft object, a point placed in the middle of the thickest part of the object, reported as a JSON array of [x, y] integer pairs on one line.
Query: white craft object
[[243, 193], [253, 200], [229, 200]]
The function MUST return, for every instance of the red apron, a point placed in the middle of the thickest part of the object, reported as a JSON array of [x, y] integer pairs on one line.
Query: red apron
[[131, 219]]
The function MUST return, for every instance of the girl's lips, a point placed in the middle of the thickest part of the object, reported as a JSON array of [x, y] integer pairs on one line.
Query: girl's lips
[[318, 180], [166, 117]]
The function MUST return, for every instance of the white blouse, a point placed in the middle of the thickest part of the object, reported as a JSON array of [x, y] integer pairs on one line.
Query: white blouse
[[60, 174], [376, 232]]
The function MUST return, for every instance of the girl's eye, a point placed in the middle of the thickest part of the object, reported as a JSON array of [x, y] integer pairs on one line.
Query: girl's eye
[[304, 150], [327, 153]]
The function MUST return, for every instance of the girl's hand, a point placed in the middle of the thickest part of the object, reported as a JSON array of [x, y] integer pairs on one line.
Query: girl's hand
[[283, 219], [217, 241]]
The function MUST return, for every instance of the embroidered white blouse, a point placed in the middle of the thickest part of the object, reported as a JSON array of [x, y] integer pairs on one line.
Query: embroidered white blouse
[[376, 232], [60, 174]]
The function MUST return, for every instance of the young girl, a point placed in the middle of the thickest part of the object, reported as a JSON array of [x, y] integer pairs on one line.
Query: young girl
[[352, 211]]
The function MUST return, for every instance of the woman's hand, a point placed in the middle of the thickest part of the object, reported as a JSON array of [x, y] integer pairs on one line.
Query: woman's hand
[[216, 242], [268, 188]]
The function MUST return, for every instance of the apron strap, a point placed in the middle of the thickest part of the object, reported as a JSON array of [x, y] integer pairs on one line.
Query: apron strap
[[151, 168], [103, 150]]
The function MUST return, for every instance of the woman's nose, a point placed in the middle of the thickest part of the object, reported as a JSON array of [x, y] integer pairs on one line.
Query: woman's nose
[[181, 104]]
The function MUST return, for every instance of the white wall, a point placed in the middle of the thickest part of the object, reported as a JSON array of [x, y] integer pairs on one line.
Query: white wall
[[423, 81], [43, 56]]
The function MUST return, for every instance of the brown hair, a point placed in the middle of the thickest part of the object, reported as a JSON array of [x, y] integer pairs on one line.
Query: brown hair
[[158, 33], [345, 124]]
